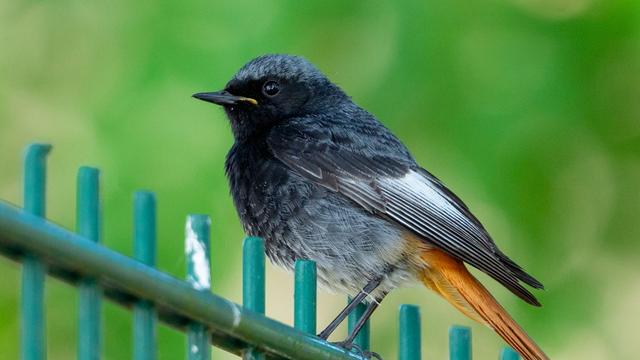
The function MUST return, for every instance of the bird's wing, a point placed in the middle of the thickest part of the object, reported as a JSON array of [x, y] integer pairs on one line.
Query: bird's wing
[[392, 185]]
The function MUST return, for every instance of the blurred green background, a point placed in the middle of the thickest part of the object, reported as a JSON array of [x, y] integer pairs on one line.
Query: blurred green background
[[528, 109]]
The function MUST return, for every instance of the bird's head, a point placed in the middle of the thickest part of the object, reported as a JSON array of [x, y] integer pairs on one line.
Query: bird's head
[[271, 89]]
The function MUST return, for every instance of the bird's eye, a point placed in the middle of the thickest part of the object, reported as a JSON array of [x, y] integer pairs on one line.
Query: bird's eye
[[271, 88]]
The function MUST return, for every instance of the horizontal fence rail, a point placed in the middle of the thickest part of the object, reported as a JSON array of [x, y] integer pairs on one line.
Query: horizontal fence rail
[[71, 257], [79, 259]]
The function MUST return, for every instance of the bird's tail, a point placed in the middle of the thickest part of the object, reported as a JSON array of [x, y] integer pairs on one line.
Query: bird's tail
[[449, 278]]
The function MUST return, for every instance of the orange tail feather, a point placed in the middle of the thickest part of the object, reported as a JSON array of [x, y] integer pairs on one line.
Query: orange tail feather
[[449, 277]]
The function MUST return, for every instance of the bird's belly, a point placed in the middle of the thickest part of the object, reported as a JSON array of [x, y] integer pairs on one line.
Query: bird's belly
[[349, 245]]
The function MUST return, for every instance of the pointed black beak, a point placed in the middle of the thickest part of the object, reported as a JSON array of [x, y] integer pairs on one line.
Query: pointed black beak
[[223, 97]]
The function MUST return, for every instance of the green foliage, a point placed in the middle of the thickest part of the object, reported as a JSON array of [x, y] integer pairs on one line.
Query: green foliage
[[528, 109]]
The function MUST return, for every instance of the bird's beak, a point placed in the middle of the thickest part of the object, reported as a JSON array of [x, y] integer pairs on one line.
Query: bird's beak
[[223, 97]]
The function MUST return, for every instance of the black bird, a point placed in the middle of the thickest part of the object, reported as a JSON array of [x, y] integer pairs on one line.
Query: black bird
[[320, 178]]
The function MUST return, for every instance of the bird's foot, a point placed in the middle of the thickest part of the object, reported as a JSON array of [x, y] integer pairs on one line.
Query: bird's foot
[[364, 354]]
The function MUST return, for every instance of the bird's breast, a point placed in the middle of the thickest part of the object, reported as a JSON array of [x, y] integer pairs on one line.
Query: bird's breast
[[264, 190]]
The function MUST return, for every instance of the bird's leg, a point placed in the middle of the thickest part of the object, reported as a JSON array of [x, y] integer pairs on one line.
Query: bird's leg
[[347, 343], [324, 334], [372, 285]]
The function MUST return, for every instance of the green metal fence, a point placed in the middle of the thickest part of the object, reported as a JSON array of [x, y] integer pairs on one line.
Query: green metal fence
[[45, 248]]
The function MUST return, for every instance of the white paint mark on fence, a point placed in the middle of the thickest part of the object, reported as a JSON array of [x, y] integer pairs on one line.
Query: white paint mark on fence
[[196, 252], [237, 316]]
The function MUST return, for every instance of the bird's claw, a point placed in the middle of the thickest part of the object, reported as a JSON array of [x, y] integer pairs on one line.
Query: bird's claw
[[364, 354]]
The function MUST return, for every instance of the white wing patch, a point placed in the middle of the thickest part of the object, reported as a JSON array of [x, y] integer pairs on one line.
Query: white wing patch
[[418, 187], [416, 202]]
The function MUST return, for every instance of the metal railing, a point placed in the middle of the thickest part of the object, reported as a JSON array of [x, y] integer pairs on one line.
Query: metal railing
[[45, 248]]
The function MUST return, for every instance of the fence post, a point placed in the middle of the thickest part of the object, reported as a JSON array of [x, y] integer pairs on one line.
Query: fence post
[[199, 276], [508, 353], [253, 283], [459, 343], [33, 271], [305, 296], [88, 226], [409, 342], [144, 250], [363, 338]]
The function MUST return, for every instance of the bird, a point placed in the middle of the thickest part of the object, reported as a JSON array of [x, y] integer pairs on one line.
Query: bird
[[320, 178]]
